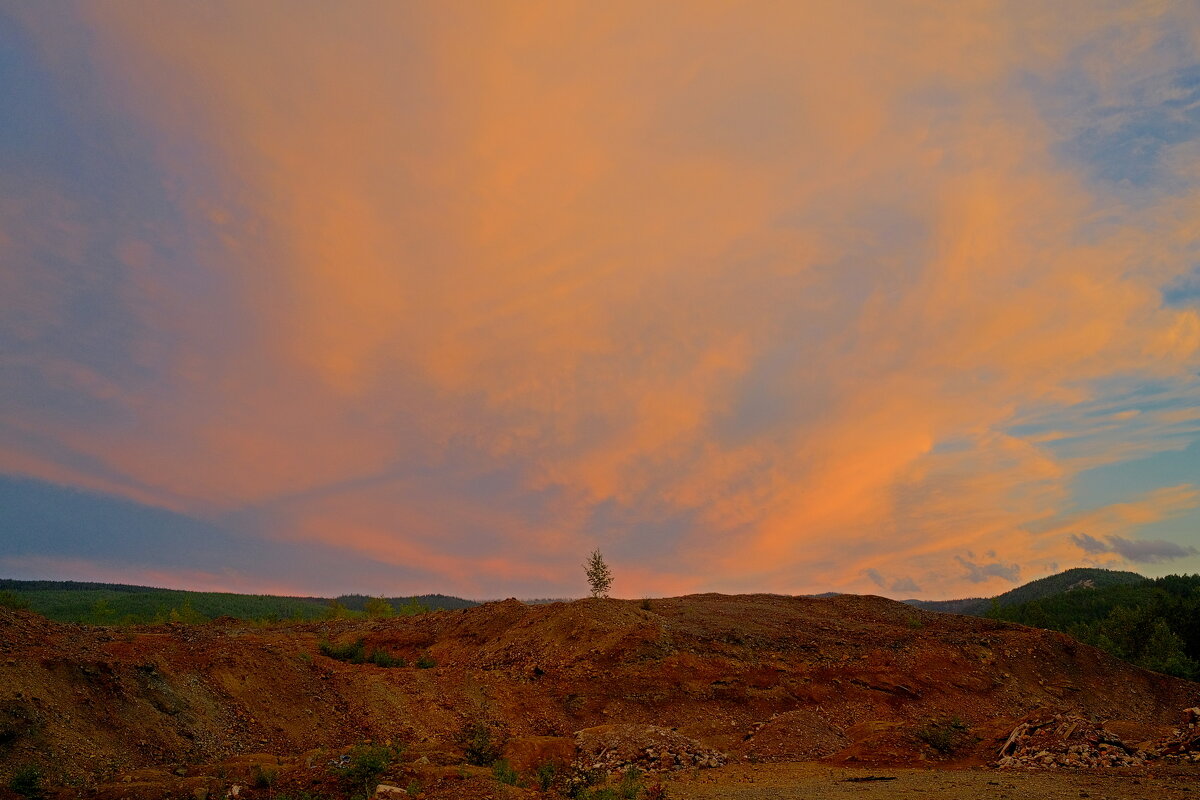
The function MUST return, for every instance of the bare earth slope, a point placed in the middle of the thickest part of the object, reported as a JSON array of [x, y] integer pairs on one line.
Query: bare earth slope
[[758, 677]]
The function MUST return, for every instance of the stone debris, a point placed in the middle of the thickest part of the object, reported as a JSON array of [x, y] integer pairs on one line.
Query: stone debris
[[1065, 741], [385, 791], [1184, 742], [615, 748], [1074, 742]]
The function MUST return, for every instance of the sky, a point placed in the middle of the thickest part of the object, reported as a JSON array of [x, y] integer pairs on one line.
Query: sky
[[894, 297]]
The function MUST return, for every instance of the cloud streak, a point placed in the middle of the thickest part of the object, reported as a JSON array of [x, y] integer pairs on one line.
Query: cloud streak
[[753, 300]]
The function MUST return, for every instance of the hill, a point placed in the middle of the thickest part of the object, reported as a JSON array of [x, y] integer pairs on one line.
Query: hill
[[115, 603], [758, 678], [1152, 623], [1050, 586]]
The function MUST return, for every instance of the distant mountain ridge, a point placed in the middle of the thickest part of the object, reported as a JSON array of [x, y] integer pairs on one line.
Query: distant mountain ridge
[[109, 603], [1077, 578]]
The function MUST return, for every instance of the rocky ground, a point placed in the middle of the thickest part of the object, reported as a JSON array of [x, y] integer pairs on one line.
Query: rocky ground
[[678, 686]]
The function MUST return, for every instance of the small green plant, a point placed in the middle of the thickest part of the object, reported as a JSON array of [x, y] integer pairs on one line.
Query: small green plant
[[10, 599], [379, 608], [655, 791], [354, 652], [631, 784], [365, 764], [546, 774], [27, 782], [645, 604], [426, 661], [382, 658], [504, 773], [481, 745], [263, 778], [915, 623], [945, 736], [414, 788]]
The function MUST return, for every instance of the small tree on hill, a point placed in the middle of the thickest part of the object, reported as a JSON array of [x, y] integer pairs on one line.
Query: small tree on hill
[[598, 574], [378, 607]]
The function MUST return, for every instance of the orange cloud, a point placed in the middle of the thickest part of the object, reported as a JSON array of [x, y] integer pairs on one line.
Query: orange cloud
[[726, 281]]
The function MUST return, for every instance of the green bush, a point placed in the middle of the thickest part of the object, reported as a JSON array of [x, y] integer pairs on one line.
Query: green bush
[[503, 772], [382, 658], [945, 736], [27, 782], [366, 764], [426, 661], [631, 784], [10, 599], [263, 778], [546, 774], [481, 745]]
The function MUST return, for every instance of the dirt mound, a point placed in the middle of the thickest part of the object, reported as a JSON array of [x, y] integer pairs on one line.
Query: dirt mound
[[649, 748], [758, 676]]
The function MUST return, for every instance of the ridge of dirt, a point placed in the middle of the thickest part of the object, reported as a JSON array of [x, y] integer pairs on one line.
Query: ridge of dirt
[[756, 677]]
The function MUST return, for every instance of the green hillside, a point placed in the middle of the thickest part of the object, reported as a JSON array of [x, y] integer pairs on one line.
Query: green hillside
[[120, 604], [1151, 623], [1080, 578]]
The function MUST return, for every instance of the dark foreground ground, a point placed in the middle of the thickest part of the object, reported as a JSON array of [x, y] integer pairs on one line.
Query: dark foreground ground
[[814, 781]]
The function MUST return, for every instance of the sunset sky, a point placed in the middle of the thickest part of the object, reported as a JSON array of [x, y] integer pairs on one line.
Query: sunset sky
[[889, 297]]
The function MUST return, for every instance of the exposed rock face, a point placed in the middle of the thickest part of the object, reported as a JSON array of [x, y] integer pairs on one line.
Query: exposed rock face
[[759, 676]]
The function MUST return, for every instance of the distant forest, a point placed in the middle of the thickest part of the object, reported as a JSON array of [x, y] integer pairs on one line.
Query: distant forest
[[120, 604], [1152, 623]]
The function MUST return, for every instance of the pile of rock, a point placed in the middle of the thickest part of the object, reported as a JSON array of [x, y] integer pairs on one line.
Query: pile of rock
[[1184, 742], [1066, 741], [615, 748]]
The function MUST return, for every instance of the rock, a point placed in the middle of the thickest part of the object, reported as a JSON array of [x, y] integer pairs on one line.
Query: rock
[[527, 753], [386, 791]]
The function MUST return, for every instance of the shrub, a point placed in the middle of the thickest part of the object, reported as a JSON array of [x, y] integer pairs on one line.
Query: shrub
[[365, 764], [27, 782], [503, 772], [645, 604], [382, 658], [10, 599], [263, 778], [426, 661], [655, 791], [354, 653], [481, 744], [945, 737], [546, 774], [631, 784]]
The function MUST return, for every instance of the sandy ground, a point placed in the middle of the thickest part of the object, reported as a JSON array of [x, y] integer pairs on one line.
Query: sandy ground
[[820, 782]]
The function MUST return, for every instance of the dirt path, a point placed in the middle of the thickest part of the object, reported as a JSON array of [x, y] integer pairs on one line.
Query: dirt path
[[819, 782]]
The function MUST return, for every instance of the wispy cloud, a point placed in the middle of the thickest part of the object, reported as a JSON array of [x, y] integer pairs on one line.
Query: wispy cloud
[[1144, 551], [752, 298]]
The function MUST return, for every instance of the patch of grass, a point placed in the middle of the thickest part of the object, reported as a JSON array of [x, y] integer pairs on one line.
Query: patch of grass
[[352, 652], [27, 782], [366, 764], [631, 784], [263, 778], [546, 773], [10, 599], [655, 791], [481, 744], [944, 736], [426, 661], [357, 653], [382, 658], [504, 773]]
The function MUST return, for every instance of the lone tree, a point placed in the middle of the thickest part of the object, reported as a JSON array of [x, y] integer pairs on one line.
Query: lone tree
[[598, 574]]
